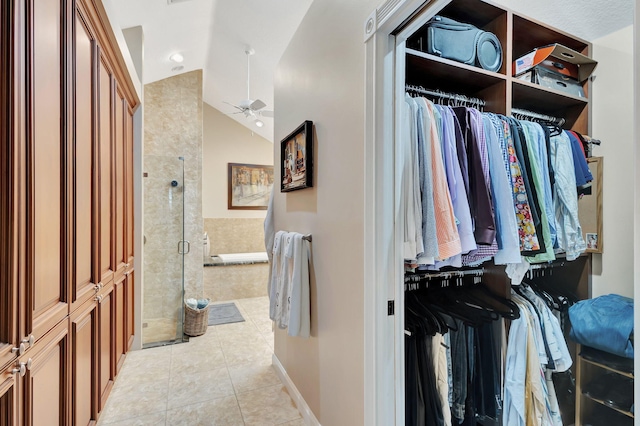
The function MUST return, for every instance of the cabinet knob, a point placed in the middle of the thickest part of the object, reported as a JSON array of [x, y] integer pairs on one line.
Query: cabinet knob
[[30, 340], [28, 364], [20, 349], [96, 288], [20, 369], [98, 299]]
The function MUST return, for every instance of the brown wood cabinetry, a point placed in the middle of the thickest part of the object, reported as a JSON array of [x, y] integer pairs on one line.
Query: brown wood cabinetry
[[66, 211]]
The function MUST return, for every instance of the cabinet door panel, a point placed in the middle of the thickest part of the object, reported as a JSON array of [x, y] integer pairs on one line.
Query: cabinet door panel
[[129, 186], [84, 364], [120, 323], [119, 166], [46, 248], [46, 383], [11, 185], [106, 342], [84, 278], [130, 306], [9, 401], [106, 176]]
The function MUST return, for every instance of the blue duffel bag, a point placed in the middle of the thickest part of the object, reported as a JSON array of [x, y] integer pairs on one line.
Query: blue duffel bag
[[464, 43]]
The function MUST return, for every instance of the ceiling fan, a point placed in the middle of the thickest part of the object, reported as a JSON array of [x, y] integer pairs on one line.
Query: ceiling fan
[[249, 107]]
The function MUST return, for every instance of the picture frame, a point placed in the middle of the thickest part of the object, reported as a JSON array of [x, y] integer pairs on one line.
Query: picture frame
[[296, 159], [249, 186]]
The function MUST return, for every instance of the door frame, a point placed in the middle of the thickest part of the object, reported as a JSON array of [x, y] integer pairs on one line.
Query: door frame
[[385, 32]]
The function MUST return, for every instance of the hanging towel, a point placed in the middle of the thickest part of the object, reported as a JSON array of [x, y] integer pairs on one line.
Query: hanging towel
[[299, 303], [269, 236]]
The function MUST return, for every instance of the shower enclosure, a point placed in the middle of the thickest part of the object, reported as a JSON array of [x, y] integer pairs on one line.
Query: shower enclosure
[[164, 250]]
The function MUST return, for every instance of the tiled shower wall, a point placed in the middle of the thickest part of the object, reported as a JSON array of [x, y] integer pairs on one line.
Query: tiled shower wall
[[172, 129]]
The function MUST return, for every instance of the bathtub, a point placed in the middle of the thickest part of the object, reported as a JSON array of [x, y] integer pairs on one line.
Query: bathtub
[[236, 276], [227, 259]]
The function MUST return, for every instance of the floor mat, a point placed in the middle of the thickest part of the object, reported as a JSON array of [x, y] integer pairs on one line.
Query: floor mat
[[224, 313]]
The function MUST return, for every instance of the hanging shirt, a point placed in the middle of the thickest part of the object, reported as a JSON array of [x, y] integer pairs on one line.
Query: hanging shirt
[[487, 251], [411, 206], [581, 168], [526, 228], [538, 180], [429, 235], [566, 199], [523, 157], [446, 229], [507, 227], [538, 146], [456, 189], [479, 192]]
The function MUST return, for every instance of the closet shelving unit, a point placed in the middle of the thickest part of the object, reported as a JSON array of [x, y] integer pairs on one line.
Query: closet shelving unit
[[586, 405], [501, 92]]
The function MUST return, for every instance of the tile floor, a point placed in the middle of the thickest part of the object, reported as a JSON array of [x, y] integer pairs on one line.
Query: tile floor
[[224, 377]]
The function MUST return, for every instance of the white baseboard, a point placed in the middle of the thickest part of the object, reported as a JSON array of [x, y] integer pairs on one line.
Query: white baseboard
[[303, 408]]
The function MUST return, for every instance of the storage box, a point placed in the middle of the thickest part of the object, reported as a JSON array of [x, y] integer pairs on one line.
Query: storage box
[[553, 80], [558, 58]]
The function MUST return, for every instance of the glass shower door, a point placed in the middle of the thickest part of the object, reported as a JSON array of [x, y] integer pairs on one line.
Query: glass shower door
[[164, 250]]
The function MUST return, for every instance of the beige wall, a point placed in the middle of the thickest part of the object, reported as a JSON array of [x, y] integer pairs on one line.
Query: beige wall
[[613, 123], [225, 141], [173, 128], [321, 78]]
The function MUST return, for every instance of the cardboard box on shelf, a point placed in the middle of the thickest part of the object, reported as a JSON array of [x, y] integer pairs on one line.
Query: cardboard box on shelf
[[557, 58]]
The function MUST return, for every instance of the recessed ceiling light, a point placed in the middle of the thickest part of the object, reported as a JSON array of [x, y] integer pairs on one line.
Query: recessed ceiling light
[[178, 68], [176, 57], [259, 123]]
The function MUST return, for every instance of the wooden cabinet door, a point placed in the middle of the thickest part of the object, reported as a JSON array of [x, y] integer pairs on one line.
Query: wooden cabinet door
[[106, 341], [84, 364], [120, 322], [129, 187], [119, 166], [46, 384], [130, 309], [85, 273], [105, 178], [11, 184], [47, 243], [9, 399]]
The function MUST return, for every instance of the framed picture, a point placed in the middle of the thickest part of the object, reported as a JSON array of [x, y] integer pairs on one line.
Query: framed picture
[[297, 159], [249, 186]]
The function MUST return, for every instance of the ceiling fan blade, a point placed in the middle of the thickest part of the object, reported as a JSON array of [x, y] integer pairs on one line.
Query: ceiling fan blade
[[266, 113], [235, 106], [257, 104]]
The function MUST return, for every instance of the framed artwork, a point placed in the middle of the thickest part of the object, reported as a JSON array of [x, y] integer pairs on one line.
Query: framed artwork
[[297, 159], [249, 186]]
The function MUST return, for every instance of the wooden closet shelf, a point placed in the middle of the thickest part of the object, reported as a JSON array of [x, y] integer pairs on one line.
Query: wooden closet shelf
[[435, 72], [537, 98], [599, 401], [606, 367]]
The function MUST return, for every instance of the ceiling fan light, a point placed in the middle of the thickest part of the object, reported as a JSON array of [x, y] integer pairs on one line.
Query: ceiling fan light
[[176, 57], [259, 122]]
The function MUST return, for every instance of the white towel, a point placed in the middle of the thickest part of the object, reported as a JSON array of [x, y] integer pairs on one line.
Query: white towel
[[269, 236], [275, 284], [299, 310]]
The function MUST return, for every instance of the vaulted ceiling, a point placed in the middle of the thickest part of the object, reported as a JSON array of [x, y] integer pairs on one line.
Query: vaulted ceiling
[[213, 35]]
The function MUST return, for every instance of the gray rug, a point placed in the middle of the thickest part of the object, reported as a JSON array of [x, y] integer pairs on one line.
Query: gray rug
[[224, 313]]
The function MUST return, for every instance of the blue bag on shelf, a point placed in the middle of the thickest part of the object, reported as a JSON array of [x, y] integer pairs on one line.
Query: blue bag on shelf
[[604, 323]]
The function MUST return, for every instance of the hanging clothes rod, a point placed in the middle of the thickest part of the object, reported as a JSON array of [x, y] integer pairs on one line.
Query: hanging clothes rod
[[446, 275], [444, 95], [536, 266], [530, 114]]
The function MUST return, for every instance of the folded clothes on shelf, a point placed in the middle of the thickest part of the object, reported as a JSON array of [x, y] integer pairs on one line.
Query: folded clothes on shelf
[[604, 323]]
